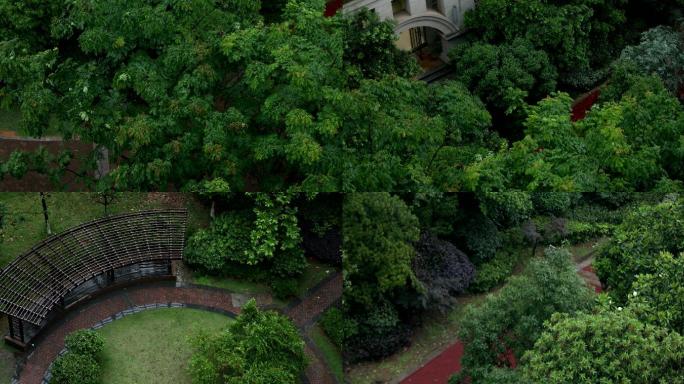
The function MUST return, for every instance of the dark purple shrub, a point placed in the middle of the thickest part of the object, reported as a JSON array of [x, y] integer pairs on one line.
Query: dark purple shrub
[[443, 269]]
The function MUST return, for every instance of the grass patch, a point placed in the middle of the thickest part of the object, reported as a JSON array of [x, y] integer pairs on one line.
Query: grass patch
[[330, 352], [25, 226], [314, 273], [154, 346]]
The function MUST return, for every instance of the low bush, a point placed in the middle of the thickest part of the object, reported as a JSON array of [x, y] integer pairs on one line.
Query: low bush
[[369, 345], [284, 287], [443, 270], [85, 342], [553, 203], [481, 238], [75, 368], [338, 326], [494, 272], [211, 250]]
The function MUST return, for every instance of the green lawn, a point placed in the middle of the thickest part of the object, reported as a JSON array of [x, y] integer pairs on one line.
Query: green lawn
[[154, 346], [24, 225], [330, 352]]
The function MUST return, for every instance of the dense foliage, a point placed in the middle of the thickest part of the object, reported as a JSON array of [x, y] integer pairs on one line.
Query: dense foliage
[[507, 76], [579, 36], [606, 347], [660, 52], [81, 363], [512, 320], [206, 90], [637, 242], [658, 297], [379, 231], [632, 144], [266, 241], [259, 348], [443, 270]]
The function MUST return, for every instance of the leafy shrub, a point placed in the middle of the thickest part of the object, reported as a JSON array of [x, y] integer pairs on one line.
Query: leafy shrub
[[75, 368], [506, 208], [481, 238], [660, 52], [443, 270], [494, 272], [226, 240], [284, 287], [493, 376], [513, 318], [579, 232], [338, 326], [553, 203], [658, 298], [645, 232], [85, 342], [505, 76], [601, 348], [258, 347], [367, 345]]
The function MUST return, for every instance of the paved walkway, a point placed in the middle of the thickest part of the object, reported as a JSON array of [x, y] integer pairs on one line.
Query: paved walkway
[[439, 368], [303, 313]]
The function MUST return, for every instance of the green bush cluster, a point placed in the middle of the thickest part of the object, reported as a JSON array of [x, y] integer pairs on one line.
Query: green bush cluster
[[263, 244], [494, 272], [81, 363], [338, 326], [259, 347], [512, 320]]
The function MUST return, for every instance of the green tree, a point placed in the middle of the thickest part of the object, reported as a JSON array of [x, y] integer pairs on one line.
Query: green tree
[[580, 36], [658, 297], [258, 348], [505, 76], [378, 235], [636, 244], [205, 91], [607, 347], [660, 52], [512, 320]]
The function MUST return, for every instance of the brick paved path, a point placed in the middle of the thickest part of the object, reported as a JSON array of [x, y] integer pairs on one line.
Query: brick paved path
[[303, 313]]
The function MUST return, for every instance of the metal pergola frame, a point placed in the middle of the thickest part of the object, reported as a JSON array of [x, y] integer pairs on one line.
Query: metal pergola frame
[[37, 282]]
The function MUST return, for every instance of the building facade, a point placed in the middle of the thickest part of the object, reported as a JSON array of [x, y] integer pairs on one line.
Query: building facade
[[424, 26]]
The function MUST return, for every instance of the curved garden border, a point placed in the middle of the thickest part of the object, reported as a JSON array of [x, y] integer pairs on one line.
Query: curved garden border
[[33, 369]]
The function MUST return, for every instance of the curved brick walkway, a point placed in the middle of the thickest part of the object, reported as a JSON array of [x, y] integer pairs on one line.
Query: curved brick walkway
[[303, 313]]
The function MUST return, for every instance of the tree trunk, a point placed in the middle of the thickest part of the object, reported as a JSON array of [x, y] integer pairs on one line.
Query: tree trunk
[[45, 213]]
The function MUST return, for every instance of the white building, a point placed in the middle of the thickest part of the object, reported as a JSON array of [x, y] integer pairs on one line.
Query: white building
[[420, 23]]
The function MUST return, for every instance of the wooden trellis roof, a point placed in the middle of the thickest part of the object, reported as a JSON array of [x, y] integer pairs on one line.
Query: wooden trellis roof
[[36, 281]]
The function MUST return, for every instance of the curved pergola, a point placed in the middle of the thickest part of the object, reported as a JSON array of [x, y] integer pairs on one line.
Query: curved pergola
[[67, 267]]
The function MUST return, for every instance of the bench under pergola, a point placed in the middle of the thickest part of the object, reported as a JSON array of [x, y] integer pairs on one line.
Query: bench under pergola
[[69, 267]]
